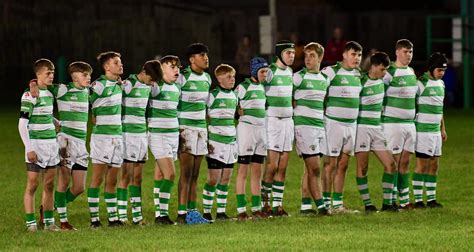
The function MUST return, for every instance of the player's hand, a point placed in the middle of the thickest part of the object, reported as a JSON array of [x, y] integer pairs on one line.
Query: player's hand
[[93, 120], [210, 148], [34, 90], [444, 135], [32, 158], [240, 111]]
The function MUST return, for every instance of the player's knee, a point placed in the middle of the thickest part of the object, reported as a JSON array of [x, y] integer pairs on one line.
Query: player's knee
[[77, 189], [48, 186], [212, 181], [314, 171], [31, 187]]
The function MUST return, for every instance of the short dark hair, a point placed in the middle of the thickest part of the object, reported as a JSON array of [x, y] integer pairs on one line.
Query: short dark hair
[[43, 63], [352, 45], [153, 69], [379, 58], [171, 59], [196, 48], [403, 43], [105, 56], [79, 66]]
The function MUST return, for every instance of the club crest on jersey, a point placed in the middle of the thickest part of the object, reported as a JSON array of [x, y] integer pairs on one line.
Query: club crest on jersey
[[432, 92], [192, 86], [74, 97], [166, 97], [279, 81], [137, 94], [402, 82], [370, 91], [222, 104], [109, 92], [309, 84], [253, 95], [344, 80]]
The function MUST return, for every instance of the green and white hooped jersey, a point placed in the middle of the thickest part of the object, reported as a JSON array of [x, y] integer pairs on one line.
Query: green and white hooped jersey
[[343, 95], [73, 108], [309, 92], [163, 108], [400, 95], [252, 100], [134, 103], [429, 104], [221, 111], [371, 100], [279, 91], [40, 110], [194, 94], [106, 99]]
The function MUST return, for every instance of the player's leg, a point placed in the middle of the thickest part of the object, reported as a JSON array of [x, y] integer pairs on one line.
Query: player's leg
[[339, 179], [192, 198], [186, 163], [60, 201], [386, 158], [98, 174], [256, 166], [403, 180], [362, 159], [168, 170], [158, 181], [278, 187], [110, 194], [47, 200], [32, 183], [135, 189], [329, 165], [268, 175], [312, 169], [122, 189], [222, 189], [209, 190], [431, 183], [418, 179], [306, 204], [242, 173]]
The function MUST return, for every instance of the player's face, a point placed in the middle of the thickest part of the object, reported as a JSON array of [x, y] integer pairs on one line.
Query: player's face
[[227, 80], [45, 76], [311, 60], [200, 61], [352, 58], [404, 55], [114, 66], [438, 73], [262, 74], [82, 79], [170, 71], [378, 71], [288, 56]]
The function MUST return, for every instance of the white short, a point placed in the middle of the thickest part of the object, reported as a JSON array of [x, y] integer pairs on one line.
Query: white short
[[251, 139], [429, 143], [400, 136], [370, 139], [107, 150], [340, 137], [280, 134], [310, 140], [135, 148], [226, 153], [76, 152], [193, 141], [47, 152], [164, 145]]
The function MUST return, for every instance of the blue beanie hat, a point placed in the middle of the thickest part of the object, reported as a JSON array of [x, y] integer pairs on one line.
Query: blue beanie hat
[[256, 63]]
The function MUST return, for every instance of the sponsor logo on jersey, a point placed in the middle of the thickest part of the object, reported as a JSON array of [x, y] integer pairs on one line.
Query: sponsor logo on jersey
[[344, 80], [137, 94], [402, 82], [432, 92], [74, 97], [109, 92], [309, 84], [279, 81], [192, 86], [370, 91], [222, 104], [253, 95]]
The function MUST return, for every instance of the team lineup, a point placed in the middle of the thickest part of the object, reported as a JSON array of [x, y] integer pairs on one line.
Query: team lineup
[[328, 114]]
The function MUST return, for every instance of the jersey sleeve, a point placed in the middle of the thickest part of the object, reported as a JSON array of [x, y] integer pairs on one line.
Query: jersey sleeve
[[240, 92], [329, 73], [60, 90], [27, 104], [54, 89], [97, 87], [297, 79], [181, 80], [155, 90], [269, 77], [387, 78], [210, 100], [127, 87]]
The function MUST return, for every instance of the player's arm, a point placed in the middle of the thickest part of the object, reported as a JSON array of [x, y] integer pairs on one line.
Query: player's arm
[[297, 79], [240, 93], [444, 135], [25, 114]]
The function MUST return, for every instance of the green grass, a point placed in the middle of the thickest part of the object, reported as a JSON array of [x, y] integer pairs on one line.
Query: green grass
[[450, 228]]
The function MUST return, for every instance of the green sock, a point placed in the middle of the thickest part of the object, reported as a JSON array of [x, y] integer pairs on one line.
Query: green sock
[[404, 189], [30, 219], [165, 194], [136, 202], [93, 202], [320, 203], [48, 218], [208, 197], [337, 200], [387, 187], [111, 203], [156, 196], [182, 209], [241, 203], [395, 188], [306, 204], [362, 185], [70, 197], [221, 197], [60, 202], [278, 188], [417, 183], [191, 205], [122, 203], [430, 183], [256, 203], [327, 199]]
